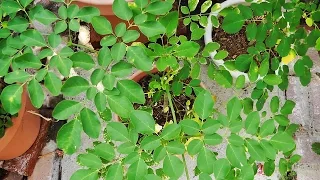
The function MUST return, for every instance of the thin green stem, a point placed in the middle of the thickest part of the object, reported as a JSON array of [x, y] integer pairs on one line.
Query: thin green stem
[[171, 105], [185, 167]]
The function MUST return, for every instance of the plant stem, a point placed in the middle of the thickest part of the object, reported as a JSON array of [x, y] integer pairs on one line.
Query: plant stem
[[185, 167], [171, 105]]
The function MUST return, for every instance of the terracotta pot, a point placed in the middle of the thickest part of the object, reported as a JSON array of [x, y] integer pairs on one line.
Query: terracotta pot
[[105, 7], [20, 137], [137, 76]]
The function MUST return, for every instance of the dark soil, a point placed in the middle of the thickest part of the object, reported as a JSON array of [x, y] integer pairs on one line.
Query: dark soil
[[235, 44], [179, 103]]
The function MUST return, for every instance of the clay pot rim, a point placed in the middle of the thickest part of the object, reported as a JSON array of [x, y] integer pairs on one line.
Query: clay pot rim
[[137, 76], [17, 121]]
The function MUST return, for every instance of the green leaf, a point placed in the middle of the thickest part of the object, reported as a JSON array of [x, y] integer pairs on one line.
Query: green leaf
[[105, 151], [69, 136], [141, 3], [269, 151], [25, 3], [53, 83], [205, 160], [89, 160], [282, 141], [36, 93], [192, 4], [240, 82], [72, 11], [19, 76], [10, 7], [274, 104], [87, 13], [121, 69], [11, 98], [90, 122], [120, 105], [175, 147], [18, 24], [251, 31], [188, 49], [63, 64], [235, 140], [159, 154], [60, 27], [173, 166], [142, 121], [234, 108], [159, 7], [130, 36], [224, 78], [82, 60], [203, 104], [282, 120], [63, 13], [190, 126], [65, 108], [108, 40], [54, 40], [150, 142], [126, 148], [74, 86], [115, 172], [170, 22], [101, 25], [120, 29], [252, 122], [284, 47], [316, 148], [108, 81], [213, 139], [104, 57], [74, 25], [236, 155], [85, 174], [171, 131], [255, 150], [152, 28], [46, 17], [205, 6], [100, 101], [232, 23], [118, 132], [137, 170], [194, 147], [243, 62], [287, 108], [32, 38], [97, 76], [272, 79], [268, 168], [221, 168], [210, 126], [121, 9], [118, 51], [267, 128], [137, 56]]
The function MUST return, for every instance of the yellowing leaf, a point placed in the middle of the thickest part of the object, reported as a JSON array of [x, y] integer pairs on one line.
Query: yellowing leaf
[[286, 60], [309, 22]]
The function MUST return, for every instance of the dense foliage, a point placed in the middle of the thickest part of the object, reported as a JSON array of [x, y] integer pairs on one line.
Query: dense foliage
[[133, 148]]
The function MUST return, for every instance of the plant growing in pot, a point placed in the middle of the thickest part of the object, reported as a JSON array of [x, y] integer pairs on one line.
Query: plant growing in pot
[[132, 146], [266, 37]]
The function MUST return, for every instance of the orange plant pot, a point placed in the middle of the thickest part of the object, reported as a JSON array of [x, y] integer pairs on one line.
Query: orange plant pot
[[105, 7], [20, 137]]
